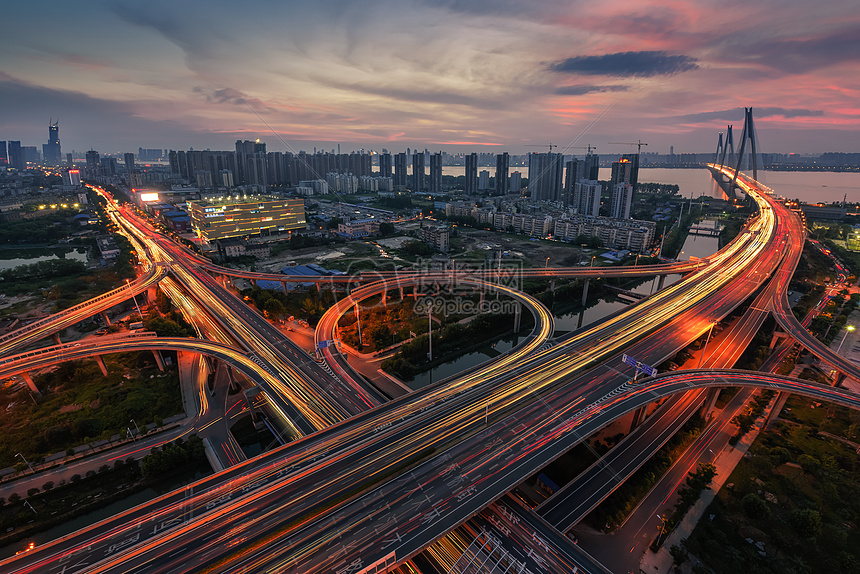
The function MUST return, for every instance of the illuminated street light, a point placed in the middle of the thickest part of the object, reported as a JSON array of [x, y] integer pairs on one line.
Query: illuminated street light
[[546, 265], [592, 261], [848, 329]]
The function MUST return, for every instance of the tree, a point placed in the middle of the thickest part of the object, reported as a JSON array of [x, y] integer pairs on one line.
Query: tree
[[14, 498], [806, 522], [274, 309], [32, 492], [809, 464], [754, 506], [48, 486]]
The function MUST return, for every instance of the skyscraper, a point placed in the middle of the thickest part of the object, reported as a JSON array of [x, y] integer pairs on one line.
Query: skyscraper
[[400, 177], [483, 180], [471, 174], [545, 176], [4, 158], [436, 173], [503, 163], [93, 162], [16, 156], [51, 150], [418, 171], [626, 170], [385, 165]]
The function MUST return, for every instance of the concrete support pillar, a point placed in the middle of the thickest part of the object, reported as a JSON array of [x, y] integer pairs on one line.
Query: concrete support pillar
[[101, 363], [552, 285], [29, 380], [105, 318], [518, 313], [638, 417], [249, 400], [55, 337], [710, 402], [158, 359], [401, 293], [152, 294], [660, 282], [585, 291], [253, 282], [209, 364], [284, 286], [840, 377], [234, 385], [777, 335], [385, 298], [579, 322], [777, 408]]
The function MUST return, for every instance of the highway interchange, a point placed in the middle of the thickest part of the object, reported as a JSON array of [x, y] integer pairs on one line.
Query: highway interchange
[[372, 484]]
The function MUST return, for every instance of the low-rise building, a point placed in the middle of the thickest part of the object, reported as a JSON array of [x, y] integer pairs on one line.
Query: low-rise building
[[436, 236], [220, 219], [358, 227], [631, 234]]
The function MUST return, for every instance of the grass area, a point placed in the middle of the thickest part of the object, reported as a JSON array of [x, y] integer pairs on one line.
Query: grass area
[[79, 405], [796, 494]]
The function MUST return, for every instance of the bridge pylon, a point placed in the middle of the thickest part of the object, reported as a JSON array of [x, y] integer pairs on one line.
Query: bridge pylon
[[748, 133]]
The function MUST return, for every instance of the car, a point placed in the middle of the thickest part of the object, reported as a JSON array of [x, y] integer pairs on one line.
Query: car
[[101, 332]]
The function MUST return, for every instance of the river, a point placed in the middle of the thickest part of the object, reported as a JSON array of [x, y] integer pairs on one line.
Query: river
[[14, 257], [810, 187]]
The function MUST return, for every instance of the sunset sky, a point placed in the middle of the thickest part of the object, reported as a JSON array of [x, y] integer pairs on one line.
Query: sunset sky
[[450, 75]]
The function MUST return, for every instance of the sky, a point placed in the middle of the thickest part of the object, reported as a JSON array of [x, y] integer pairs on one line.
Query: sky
[[452, 75]]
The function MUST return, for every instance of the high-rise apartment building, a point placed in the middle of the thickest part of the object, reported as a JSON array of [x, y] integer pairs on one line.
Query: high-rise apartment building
[[51, 150], [591, 167], [622, 199], [418, 172], [385, 165], [400, 175], [483, 180], [572, 174], [545, 176], [516, 182], [16, 155], [92, 162], [471, 186], [129, 162], [4, 157], [503, 164], [586, 197], [436, 173]]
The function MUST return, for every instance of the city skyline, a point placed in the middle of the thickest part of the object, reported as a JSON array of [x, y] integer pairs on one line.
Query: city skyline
[[473, 76]]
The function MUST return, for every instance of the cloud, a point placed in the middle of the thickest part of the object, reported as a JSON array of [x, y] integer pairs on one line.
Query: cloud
[[627, 64], [737, 114], [231, 96], [582, 89], [801, 55]]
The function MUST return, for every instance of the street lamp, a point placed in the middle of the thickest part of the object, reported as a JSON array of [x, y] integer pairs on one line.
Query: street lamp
[[848, 329], [127, 284], [28, 464], [135, 425], [592, 261], [546, 265]]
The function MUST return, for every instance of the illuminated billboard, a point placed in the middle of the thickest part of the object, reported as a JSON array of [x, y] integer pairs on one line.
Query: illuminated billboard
[[149, 197]]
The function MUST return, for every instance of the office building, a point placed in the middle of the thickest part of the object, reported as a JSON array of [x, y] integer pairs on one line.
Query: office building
[[400, 177], [503, 164], [418, 172], [213, 220], [385, 165], [92, 163], [586, 197], [484, 180], [471, 186], [16, 156], [622, 199], [51, 150], [545, 176], [436, 173]]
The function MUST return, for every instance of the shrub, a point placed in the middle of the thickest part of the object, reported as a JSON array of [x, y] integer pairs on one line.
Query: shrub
[[32, 491]]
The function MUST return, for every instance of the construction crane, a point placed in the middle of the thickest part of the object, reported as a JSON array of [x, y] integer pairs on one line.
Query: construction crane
[[552, 145], [589, 147], [638, 144]]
